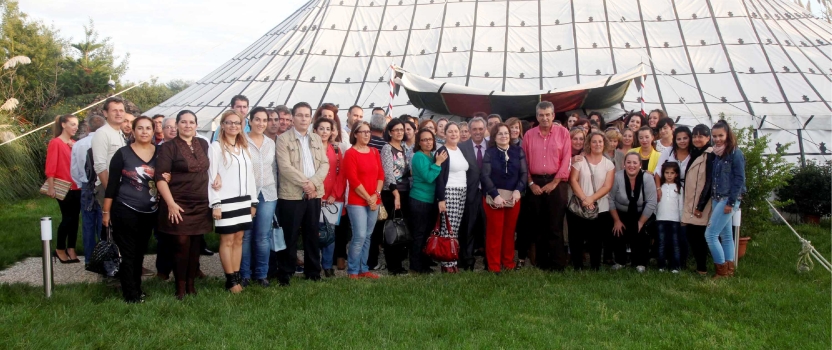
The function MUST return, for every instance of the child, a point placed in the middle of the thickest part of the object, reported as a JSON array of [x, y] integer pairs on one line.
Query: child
[[728, 186], [668, 216]]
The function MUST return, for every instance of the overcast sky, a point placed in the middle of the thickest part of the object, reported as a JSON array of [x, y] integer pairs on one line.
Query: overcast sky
[[168, 39]]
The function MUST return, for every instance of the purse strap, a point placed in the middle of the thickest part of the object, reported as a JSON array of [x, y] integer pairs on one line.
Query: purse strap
[[447, 222]]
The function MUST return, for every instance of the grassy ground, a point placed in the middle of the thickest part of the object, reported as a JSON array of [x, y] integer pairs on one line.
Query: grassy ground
[[768, 305]]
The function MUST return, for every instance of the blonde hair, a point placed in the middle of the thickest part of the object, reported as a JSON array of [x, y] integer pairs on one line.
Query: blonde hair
[[612, 135], [240, 139], [588, 142]]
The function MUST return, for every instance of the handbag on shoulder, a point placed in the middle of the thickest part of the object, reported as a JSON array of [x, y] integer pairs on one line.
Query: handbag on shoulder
[[396, 231], [576, 206], [508, 201], [445, 249], [326, 233], [106, 258]]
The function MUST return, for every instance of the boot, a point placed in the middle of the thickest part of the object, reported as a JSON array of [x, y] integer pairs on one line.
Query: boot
[[721, 270], [230, 281], [180, 290], [730, 268], [239, 278], [189, 286]]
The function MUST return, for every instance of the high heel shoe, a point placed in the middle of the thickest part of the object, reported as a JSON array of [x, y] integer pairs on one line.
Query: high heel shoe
[[55, 255]]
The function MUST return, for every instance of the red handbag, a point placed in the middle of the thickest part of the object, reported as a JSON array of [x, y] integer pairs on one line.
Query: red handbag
[[444, 249]]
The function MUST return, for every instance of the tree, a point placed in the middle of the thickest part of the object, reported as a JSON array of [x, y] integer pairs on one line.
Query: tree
[[20, 36], [152, 93], [91, 65]]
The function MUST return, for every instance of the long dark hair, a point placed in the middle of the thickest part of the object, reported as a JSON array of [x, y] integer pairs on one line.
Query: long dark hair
[[57, 127], [730, 138], [680, 130], [417, 146], [675, 167]]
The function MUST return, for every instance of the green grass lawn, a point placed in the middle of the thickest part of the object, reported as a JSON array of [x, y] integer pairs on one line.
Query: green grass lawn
[[768, 305]]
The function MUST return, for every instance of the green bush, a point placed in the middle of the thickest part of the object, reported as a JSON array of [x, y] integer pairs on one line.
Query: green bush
[[809, 192], [764, 174]]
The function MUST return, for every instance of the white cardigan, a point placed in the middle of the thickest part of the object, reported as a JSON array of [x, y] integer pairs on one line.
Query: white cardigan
[[236, 172], [671, 205]]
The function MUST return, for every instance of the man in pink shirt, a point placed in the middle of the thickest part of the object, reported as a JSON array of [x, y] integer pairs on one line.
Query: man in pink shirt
[[548, 152]]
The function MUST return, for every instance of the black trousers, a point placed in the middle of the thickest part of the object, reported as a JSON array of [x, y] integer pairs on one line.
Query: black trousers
[[70, 217], [698, 245], [164, 253], [471, 230], [394, 255], [548, 211], [422, 221], [639, 241], [343, 234], [587, 236], [299, 217], [131, 233]]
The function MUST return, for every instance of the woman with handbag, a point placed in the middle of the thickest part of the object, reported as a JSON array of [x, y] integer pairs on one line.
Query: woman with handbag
[[425, 168], [632, 203], [334, 184], [184, 215], [234, 204], [451, 187], [396, 193], [589, 209], [503, 177], [131, 197], [362, 167], [58, 162]]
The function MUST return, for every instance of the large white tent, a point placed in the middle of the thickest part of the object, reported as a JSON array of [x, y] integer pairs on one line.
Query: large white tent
[[764, 63]]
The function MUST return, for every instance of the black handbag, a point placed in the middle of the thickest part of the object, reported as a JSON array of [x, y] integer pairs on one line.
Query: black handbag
[[106, 257], [326, 232], [395, 230]]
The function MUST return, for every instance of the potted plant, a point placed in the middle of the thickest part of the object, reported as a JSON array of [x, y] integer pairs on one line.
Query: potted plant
[[809, 192]]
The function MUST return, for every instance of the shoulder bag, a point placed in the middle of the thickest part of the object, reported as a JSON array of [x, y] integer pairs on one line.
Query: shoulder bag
[[440, 248], [326, 233], [576, 205], [106, 257], [395, 230]]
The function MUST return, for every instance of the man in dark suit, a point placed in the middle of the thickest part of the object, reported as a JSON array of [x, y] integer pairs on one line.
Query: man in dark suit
[[472, 229]]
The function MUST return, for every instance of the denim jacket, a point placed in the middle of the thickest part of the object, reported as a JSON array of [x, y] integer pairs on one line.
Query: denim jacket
[[729, 177]]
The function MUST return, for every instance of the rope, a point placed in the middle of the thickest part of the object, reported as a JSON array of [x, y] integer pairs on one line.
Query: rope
[[806, 245], [804, 259]]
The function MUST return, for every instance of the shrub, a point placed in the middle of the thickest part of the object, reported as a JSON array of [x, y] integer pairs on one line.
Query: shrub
[[763, 175], [809, 190]]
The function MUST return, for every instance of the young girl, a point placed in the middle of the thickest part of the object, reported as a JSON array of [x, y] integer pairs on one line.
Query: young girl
[[668, 216], [727, 187]]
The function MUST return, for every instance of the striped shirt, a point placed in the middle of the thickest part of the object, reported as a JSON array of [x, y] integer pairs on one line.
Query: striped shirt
[[306, 160]]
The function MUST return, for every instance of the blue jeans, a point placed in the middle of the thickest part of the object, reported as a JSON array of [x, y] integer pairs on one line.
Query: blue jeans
[[257, 241], [670, 243], [90, 223], [719, 234], [326, 256], [363, 221]]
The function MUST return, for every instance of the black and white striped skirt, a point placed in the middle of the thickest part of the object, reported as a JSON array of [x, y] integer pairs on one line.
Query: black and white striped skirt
[[236, 215]]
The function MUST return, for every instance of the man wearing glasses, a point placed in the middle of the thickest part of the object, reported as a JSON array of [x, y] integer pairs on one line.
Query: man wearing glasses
[[303, 165], [158, 132]]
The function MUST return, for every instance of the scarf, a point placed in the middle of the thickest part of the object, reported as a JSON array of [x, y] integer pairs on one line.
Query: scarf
[[719, 150], [695, 153], [505, 156], [633, 193]]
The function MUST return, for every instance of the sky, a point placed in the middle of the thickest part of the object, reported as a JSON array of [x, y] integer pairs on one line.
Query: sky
[[167, 39]]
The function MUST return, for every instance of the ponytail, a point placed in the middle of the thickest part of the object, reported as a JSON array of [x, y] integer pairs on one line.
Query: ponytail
[[730, 138], [58, 125]]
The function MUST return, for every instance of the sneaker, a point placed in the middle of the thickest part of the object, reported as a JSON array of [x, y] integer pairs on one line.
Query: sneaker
[[299, 269], [641, 269], [369, 275], [263, 282], [674, 271], [617, 267]]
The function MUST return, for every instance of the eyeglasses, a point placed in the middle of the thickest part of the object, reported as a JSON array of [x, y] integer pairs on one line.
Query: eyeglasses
[[230, 123], [426, 140], [363, 132]]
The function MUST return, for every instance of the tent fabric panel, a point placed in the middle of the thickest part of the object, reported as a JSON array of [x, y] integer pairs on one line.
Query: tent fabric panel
[[607, 96]]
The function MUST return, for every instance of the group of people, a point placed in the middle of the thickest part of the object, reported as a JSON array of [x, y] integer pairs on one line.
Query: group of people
[[495, 186]]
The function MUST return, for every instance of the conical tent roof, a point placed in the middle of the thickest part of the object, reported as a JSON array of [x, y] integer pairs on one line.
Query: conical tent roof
[[765, 63]]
